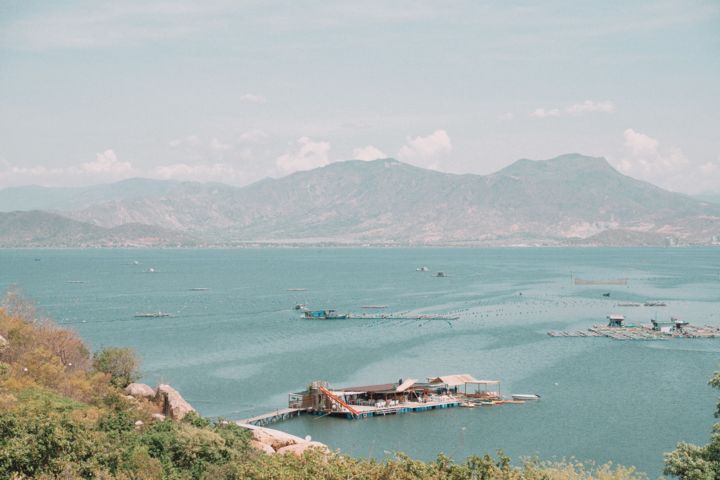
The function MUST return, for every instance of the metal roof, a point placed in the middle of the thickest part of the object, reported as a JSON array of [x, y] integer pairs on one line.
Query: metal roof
[[383, 387], [406, 384], [461, 379]]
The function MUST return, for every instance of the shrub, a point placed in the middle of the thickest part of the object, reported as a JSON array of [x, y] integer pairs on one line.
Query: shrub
[[120, 363]]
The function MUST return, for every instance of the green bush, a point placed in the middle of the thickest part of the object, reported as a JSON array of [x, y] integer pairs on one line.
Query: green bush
[[120, 363]]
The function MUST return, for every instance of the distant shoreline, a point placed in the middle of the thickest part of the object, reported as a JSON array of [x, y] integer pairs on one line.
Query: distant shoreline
[[352, 246]]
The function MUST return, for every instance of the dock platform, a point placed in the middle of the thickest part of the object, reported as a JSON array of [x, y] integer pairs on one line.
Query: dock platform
[[640, 333], [364, 411], [272, 417]]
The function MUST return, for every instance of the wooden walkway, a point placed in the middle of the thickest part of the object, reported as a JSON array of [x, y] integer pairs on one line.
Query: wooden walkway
[[272, 417]]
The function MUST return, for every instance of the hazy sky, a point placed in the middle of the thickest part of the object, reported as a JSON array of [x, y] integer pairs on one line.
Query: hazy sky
[[234, 91]]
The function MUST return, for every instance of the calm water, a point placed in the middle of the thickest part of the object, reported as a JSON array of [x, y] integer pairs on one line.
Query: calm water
[[239, 348]]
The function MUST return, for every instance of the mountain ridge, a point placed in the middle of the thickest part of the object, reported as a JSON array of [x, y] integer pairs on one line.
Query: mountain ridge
[[570, 199]]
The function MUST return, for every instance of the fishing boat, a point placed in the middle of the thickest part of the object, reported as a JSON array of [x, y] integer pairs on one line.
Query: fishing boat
[[152, 315], [324, 315], [525, 396]]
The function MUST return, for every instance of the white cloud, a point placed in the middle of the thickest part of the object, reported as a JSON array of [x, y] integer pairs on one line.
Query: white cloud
[[667, 167], [588, 106], [639, 143], [36, 171], [189, 141], [305, 154], [543, 113], [219, 146], [368, 153], [426, 151], [107, 163], [195, 142], [105, 167], [221, 172], [605, 106], [252, 136], [252, 98]]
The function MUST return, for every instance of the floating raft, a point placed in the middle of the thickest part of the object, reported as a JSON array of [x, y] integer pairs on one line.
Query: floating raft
[[400, 316], [609, 281], [640, 333]]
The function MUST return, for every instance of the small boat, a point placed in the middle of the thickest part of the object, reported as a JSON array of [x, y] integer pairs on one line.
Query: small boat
[[296, 289], [152, 315], [199, 289], [422, 269], [324, 315], [440, 274], [150, 270], [300, 306], [75, 281], [655, 304], [374, 306], [525, 396], [606, 294]]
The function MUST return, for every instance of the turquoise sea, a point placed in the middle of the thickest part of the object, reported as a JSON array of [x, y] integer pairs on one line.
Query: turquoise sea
[[239, 348]]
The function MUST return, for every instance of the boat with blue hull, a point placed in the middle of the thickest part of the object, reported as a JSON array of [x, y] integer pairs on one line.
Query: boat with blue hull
[[325, 315]]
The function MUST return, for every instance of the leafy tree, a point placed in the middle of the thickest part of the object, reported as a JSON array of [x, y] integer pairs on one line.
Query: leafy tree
[[121, 363], [692, 462]]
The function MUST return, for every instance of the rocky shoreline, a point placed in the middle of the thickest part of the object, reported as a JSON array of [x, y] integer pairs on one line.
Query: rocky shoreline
[[175, 407]]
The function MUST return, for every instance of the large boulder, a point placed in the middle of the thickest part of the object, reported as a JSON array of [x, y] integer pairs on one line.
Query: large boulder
[[140, 390], [268, 440], [172, 403], [274, 438], [298, 449], [263, 447]]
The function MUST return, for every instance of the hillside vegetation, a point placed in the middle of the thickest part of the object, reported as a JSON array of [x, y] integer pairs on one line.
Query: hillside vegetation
[[63, 414]]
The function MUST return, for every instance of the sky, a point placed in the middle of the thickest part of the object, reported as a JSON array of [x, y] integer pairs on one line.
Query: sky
[[235, 91]]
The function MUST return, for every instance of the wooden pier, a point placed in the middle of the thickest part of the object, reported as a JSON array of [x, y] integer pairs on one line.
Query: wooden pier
[[641, 333], [272, 417]]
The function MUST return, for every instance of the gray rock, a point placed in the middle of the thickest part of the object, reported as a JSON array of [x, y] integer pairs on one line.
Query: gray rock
[[299, 449], [140, 390], [263, 447], [172, 403]]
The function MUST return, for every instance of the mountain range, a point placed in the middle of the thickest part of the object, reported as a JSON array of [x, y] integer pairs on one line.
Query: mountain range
[[568, 200]]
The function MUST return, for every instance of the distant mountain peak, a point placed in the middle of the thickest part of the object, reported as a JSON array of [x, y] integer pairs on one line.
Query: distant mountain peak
[[571, 162], [383, 201]]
